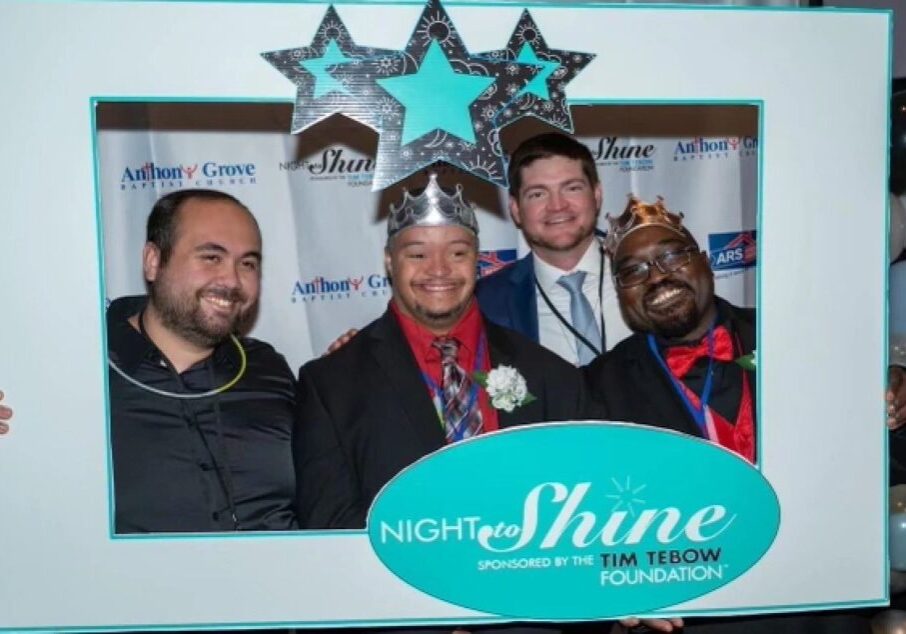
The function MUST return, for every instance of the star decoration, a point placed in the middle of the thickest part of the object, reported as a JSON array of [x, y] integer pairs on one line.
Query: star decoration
[[333, 75], [442, 104], [559, 67]]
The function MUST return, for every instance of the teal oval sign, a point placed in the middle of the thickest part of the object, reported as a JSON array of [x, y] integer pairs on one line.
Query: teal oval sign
[[574, 520]]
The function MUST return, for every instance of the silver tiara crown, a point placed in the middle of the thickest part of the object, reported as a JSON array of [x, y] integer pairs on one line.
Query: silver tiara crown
[[432, 208], [640, 214]]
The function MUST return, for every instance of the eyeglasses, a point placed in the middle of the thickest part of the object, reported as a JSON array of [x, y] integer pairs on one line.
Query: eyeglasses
[[666, 262]]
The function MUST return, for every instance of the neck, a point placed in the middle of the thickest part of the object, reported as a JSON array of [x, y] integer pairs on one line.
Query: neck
[[181, 354], [564, 260]]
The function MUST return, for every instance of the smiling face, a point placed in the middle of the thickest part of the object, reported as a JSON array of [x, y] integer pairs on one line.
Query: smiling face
[[674, 306], [557, 208], [211, 280], [433, 274]]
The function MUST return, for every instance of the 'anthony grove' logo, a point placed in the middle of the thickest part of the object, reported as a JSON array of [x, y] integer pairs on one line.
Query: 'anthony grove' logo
[[579, 527], [325, 289], [151, 175], [711, 148]]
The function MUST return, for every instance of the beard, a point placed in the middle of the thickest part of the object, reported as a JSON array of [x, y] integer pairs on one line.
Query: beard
[[678, 318], [184, 315]]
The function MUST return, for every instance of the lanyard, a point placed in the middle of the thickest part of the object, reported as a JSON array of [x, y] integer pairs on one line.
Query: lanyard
[[563, 320], [437, 393], [698, 413]]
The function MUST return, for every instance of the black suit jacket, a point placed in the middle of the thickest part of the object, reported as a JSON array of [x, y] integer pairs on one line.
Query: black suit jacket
[[631, 386], [364, 414]]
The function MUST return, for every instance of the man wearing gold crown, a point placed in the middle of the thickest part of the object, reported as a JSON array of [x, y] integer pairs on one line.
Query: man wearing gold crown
[[405, 385], [680, 367]]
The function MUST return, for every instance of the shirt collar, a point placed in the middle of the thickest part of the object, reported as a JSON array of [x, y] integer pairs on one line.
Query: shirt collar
[[467, 331], [548, 275], [129, 348]]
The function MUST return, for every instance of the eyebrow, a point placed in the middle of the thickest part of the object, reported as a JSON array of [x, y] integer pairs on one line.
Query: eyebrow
[[665, 241], [219, 248]]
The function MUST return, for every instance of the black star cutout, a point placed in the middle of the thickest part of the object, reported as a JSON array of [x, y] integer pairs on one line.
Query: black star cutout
[[332, 75], [458, 126], [545, 96]]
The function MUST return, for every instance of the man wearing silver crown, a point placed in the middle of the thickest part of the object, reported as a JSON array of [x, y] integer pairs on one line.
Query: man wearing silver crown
[[681, 368], [408, 383]]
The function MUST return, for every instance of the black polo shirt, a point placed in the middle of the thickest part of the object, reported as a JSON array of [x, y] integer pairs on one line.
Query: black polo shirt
[[219, 463]]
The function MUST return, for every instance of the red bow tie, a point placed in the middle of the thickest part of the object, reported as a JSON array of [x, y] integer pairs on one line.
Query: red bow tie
[[680, 359]]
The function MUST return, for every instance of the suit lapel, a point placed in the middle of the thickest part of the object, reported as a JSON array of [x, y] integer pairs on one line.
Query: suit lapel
[[503, 352], [523, 307], [392, 353]]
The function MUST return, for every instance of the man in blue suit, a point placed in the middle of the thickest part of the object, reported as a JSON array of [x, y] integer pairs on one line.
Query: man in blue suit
[[561, 294]]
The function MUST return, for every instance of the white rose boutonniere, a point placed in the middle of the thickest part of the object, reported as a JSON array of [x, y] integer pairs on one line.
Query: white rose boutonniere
[[506, 387]]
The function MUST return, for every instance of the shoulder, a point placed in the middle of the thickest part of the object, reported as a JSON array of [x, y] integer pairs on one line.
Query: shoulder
[[524, 350], [348, 360], [506, 276], [615, 360]]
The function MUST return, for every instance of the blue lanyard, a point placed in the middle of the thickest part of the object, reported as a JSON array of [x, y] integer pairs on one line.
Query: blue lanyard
[[437, 393], [697, 413]]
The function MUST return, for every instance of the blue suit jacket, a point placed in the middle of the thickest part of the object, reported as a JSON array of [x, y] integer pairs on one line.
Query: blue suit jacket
[[507, 297]]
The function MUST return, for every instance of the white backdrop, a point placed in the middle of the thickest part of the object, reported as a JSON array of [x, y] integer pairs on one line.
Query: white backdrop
[[821, 295], [324, 230]]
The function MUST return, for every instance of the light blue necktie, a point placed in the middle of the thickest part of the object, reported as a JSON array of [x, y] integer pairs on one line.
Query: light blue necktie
[[582, 316]]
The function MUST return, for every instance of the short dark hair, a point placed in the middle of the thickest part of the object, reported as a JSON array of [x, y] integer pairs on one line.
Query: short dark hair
[[164, 219], [545, 146]]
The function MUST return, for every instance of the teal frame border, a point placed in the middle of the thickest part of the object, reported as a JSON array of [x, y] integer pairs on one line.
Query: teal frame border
[[575, 4]]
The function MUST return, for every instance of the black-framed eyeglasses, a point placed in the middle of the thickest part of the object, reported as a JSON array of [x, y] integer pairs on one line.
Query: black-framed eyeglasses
[[666, 262]]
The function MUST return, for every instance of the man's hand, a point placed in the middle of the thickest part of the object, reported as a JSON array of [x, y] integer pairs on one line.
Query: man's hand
[[896, 397], [341, 341], [5, 414], [658, 625]]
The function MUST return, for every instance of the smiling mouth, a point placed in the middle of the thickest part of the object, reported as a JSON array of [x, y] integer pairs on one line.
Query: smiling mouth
[[664, 297], [220, 303], [559, 219]]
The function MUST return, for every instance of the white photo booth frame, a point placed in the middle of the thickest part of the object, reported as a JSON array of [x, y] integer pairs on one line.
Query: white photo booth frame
[[822, 331]]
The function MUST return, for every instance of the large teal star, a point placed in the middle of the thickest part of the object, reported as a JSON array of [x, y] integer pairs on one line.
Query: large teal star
[[325, 83], [538, 85], [436, 97]]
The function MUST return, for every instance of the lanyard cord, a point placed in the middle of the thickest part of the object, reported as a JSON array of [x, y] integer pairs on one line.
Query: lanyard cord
[[566, 322], [697, 413]]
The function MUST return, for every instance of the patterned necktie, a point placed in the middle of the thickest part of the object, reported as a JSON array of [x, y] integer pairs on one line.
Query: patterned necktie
[[461, 414], [582, 317]]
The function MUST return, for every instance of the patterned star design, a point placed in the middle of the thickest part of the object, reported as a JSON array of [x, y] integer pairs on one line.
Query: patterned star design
[[333, 75], [442, 105], [558, 68]]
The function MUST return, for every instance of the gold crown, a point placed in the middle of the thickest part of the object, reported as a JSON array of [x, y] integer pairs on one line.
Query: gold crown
[[638, 214], [432, 208]]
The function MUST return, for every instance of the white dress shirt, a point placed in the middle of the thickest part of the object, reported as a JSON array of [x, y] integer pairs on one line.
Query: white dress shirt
[[553, 333]]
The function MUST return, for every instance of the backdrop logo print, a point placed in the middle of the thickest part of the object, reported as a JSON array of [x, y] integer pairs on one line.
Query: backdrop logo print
[[150, 175], [320, 288], [579, 527], [702, 148], [492, 261], [335, 163], [732, 251], [627, 157]]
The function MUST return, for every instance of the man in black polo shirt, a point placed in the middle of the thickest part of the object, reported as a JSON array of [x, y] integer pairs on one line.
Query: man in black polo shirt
[[200, 418]]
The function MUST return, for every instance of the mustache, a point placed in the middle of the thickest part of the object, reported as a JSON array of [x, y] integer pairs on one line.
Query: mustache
[[665, 285], [223, 292]]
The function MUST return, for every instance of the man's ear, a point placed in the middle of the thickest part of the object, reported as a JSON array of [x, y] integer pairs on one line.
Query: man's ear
[[151, 261], [387, 268], [599, 196], [514, 211]]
